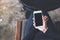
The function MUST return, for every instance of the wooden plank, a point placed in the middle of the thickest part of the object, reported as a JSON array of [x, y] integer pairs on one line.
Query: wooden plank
[[18, 30]]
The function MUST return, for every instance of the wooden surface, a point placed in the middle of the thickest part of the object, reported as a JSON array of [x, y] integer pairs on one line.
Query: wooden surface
[[18, 30]]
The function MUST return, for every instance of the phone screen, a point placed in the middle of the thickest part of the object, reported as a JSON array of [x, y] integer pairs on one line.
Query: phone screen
[[38, 19]]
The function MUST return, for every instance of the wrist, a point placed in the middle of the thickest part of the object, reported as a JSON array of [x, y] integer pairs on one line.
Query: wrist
[[42, 29], [45, 29]]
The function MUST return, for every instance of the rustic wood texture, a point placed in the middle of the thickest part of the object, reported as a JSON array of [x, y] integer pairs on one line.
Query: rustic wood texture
[[18, 30]]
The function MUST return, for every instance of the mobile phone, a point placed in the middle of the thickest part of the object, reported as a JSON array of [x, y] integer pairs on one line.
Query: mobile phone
[[38, 18]]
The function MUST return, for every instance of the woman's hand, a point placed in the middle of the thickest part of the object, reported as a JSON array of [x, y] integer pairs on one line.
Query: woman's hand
[[44, 27]]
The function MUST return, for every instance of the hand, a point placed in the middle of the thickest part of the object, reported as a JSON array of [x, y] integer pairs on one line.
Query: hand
[[44, 27]]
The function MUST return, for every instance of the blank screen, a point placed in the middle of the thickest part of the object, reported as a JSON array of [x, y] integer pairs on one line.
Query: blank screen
[[38, 19]]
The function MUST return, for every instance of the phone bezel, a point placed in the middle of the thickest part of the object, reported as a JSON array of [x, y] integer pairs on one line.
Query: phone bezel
[[35, 12]]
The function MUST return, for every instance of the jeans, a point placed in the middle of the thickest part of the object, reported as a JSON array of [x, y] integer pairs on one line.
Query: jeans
[[30, 30], [29, 21]]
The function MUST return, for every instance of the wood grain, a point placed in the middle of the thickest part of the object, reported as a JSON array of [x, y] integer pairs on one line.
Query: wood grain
[[18, 30]]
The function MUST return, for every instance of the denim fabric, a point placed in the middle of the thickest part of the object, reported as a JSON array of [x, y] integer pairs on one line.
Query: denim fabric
[[29, 21], [30, 32]]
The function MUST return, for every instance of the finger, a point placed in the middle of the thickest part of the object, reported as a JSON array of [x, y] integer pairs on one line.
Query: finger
[[42, 17], [34, 25], [45, 16], [45, 19], [33, 22], [33, 19]]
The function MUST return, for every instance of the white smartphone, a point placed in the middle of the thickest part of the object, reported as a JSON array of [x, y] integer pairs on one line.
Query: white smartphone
[[38, 18]]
